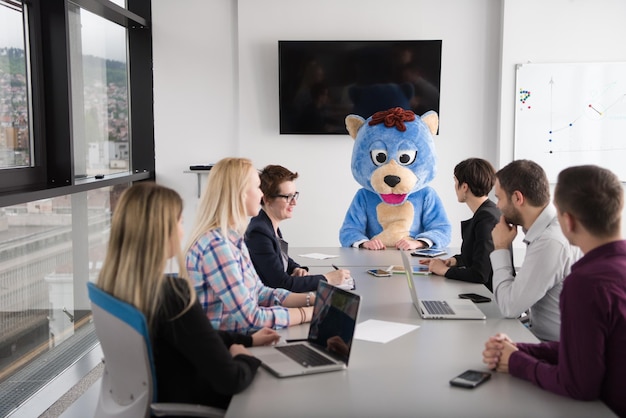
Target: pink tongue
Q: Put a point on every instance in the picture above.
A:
(393, 199)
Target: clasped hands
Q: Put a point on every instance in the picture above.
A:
(404, 244)
(498, 350)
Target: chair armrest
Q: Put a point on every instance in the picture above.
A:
(188, 410)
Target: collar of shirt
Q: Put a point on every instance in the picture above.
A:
(544, 220)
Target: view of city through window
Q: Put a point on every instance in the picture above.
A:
(100, 105)
(15, 140)
(50, 248)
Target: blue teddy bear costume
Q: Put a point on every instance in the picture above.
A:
(394, 160)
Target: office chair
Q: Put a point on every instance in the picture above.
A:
(129, 384)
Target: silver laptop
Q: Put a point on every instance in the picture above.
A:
(439, 309)
(328, 345)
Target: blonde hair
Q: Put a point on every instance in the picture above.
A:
(223, 204)
(144, 230)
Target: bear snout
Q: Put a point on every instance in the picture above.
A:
(392, 181)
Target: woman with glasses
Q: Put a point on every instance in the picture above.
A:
(228, 286)
(265, 242)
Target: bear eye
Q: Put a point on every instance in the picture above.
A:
(379, 156)
(407, 157)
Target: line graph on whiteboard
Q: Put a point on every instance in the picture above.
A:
(571, 114)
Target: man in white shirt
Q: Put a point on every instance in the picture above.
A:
(523, 194)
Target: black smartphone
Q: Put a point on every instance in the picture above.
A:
(475, 297)
(470, 379)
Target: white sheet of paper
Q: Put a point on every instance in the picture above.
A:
(318, 256)
(381, 331)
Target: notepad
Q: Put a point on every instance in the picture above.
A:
(318, 256)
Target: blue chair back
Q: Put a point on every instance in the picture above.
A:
(128, 383)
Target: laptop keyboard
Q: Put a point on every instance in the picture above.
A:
(437, 307)
(304, 355)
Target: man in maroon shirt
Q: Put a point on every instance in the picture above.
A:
(589, 361)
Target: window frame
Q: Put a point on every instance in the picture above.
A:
(52, 173)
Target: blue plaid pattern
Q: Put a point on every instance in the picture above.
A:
(229, 288)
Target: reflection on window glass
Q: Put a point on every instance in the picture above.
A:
(49, 249)
(15, 140)
(99, 94)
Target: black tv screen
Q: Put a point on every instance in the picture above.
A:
(321, 82)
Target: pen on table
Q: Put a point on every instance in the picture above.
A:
(335, 267)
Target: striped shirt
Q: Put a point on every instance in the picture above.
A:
(229, 288)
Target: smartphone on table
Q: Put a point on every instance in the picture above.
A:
(428, 252)
(470, 379)
(475, 297)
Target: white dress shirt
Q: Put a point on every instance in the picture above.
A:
(538, 283)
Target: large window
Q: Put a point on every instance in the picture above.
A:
(15, 111)
(76, 129)
(99, 80)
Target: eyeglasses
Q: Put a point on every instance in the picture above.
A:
(289, 198)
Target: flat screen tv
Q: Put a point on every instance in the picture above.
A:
(321, 82)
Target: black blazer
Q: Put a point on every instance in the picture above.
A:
(473, 264)
(264, 248)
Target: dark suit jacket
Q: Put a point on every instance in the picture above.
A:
(264, 248)
(473, 264)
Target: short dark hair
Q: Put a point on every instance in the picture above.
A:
(593, 195)
(528, 178)
(478, 174)
(272, 176)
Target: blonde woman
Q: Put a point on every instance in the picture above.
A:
(218, 261)
(194, 362)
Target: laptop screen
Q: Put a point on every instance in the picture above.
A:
(334, 320)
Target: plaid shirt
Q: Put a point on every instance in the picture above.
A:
(229, 288)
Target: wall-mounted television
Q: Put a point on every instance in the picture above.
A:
(321, 82)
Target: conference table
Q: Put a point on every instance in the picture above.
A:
(407, 376)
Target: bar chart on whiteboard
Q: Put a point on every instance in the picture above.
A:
(571, 114)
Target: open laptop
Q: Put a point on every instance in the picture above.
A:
(328, 345)
(439, 309)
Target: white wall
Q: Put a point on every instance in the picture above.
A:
(194, 43)
(216, 84)
(555, 31)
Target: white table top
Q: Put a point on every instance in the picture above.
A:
(348, 257)
(408, 376)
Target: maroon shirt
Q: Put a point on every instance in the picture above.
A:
(590, 360)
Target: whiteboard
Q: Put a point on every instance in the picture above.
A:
(571, 114)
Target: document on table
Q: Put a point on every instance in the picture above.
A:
(381, 331)
(318, 256)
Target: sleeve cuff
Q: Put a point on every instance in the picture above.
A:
(426, 241)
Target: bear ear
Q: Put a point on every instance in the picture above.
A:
(431, 119)
(353, 123)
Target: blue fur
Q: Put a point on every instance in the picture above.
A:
(430, 219)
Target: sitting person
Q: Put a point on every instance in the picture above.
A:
(588, 362)
(523, 194)
(473, 179)
(265, 242)
(194, 363)
(229, 288)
